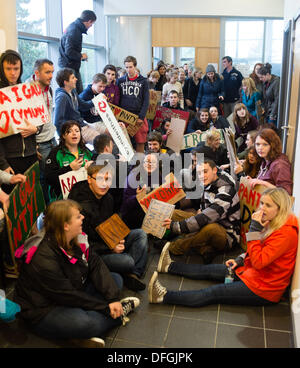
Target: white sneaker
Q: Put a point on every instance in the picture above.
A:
(93, 342)
(156, 291)
(164, 259)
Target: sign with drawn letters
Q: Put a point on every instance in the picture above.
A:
(70, 178)
(19, 103)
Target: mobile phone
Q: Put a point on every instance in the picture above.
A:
(80, 156)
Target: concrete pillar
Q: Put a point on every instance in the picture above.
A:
(8, 25)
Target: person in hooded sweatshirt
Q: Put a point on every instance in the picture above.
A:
(17, 151)
(134, 97)
(70, 55)
(69, 106)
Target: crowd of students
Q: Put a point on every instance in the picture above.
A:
(70, 280)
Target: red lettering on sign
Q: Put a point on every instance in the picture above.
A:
(4, 127)
(15, 91)
(4, 98)
(102, 106)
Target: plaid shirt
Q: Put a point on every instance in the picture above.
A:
(219, 204)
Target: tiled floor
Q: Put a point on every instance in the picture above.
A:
(166, 326)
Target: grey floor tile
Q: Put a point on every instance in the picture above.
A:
(145, 328)
(207, 313)
(278, 317)
(229, 336)
(277, 339)
(186, 333)
(241, 315)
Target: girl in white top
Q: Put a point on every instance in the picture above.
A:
(173, 84)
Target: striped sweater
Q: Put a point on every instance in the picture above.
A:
(219, 204)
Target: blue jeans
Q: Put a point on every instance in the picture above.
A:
(234, 293)
(134, 257)
(76, 323)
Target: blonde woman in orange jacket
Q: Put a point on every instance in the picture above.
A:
(257, 277)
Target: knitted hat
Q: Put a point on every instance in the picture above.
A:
(210, 69)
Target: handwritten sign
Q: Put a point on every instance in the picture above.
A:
(249, 202)
(113, 126)
(231, 148)
(193, 139)
(113, 230)
(123, 115)
(175, 138)
(70, 178)
(163, 113)
(20, 102)
(157, 212)
(170, 192)
(153, 102)
(26, 203)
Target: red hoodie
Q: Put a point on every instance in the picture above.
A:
(269, 264)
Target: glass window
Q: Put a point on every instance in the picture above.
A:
(187, 55)
(30, 51)
(88, 67)
(71, 10)
(31, 16)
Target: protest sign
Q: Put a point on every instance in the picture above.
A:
(113, 126)
(153, 102)
(170, 192)
(249, 203)
(174, 140)
(163, 113)
(113, 230)
(26, 203)
(231, 148)
(123, 115)
(70, 178)
(20, 102)
(157, 212)
(193, 139)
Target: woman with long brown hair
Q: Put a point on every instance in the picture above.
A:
(275, 170)
(64, 289)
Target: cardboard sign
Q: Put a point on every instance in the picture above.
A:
(193, 139)
(70, 178)
(26, 203)
(163, 113)
(231, 148)
(153, 102)
(113, 230)
(157, 212)
(174, 140)
(20, 102)
(113, 126)
(170, 192)
(249, 202)
(123, 115)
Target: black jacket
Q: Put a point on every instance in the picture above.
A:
(71, 46)
(15, 145)
(95, 211)
(49, 279)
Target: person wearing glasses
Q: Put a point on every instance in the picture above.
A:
(129, 257)
(70, 154)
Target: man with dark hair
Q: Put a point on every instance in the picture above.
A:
(154, 141)
(43, 74)
(173, 102)
(216, 225)
(97, 86)
(134, 97)
(69, 106)
(17, 151)
(71, 44)
(129, 257)
(232, 84)
(112, 91)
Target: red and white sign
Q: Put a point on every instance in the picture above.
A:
(20, 102)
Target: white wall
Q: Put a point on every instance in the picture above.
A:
(253, 8)
(8, 25)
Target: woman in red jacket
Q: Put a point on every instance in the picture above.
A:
(258, 277)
